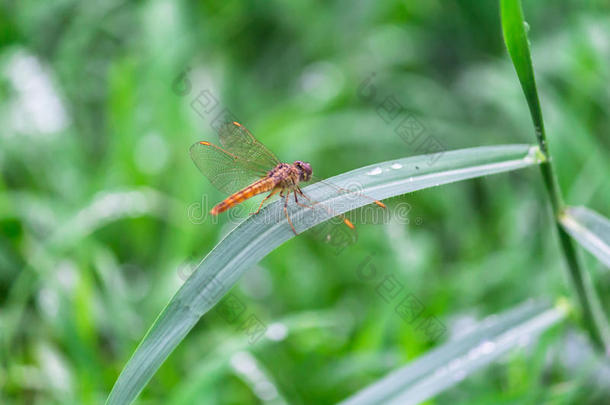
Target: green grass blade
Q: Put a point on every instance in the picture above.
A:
(590, 229)
(445, 366)
(254, 238)
(515, 37)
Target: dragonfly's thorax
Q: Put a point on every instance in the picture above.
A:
(286, 175)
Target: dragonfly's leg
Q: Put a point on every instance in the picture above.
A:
(298, 190)
(271, 194)
(343, 218)
(286, 212)
(296, 200)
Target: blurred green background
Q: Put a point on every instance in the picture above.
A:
(102, 212)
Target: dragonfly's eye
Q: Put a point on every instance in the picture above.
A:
(305, 168)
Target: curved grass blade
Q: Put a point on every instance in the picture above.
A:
(590, 229)
(447, 365)
(515, 37)
(258, 235)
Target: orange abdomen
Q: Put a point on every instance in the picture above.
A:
(261, 186)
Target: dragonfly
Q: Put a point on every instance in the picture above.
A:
(243, 168)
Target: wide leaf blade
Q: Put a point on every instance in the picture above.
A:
(445, 366)
(590, 229)
(254, 238)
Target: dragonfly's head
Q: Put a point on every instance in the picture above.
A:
(304, 170)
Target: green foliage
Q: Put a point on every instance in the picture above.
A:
(443, 367)
(102, 213)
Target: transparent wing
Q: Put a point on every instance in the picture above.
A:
(338, 228)
(354, 192)
(227, 172)
(335, 231)
(236, 139)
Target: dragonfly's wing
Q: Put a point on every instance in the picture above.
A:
(339, 230)
(226, 171)
(335, 229)
(236, 139)
(335, 232)
(353, 192)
